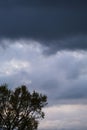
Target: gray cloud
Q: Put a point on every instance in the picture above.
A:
(30, 28)
(57, 24)
(70, 43)
(63, 76)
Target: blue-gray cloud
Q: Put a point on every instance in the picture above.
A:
(61, 76)
(57, 24)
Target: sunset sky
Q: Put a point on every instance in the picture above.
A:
(43, 45)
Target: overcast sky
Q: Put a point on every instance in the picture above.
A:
(43, 44)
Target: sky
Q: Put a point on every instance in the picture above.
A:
(43, 45)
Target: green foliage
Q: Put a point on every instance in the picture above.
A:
(20, 109)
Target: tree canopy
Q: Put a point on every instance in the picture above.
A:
(20, 109)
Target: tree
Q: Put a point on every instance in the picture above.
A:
(20, 109)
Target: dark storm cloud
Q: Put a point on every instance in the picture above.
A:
(45, 20)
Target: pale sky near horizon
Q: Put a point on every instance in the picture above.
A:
(43, 44)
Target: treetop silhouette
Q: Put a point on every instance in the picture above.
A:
(20, 109)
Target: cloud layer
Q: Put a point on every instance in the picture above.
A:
(57, 24)
(43, 45)
(61, 76)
